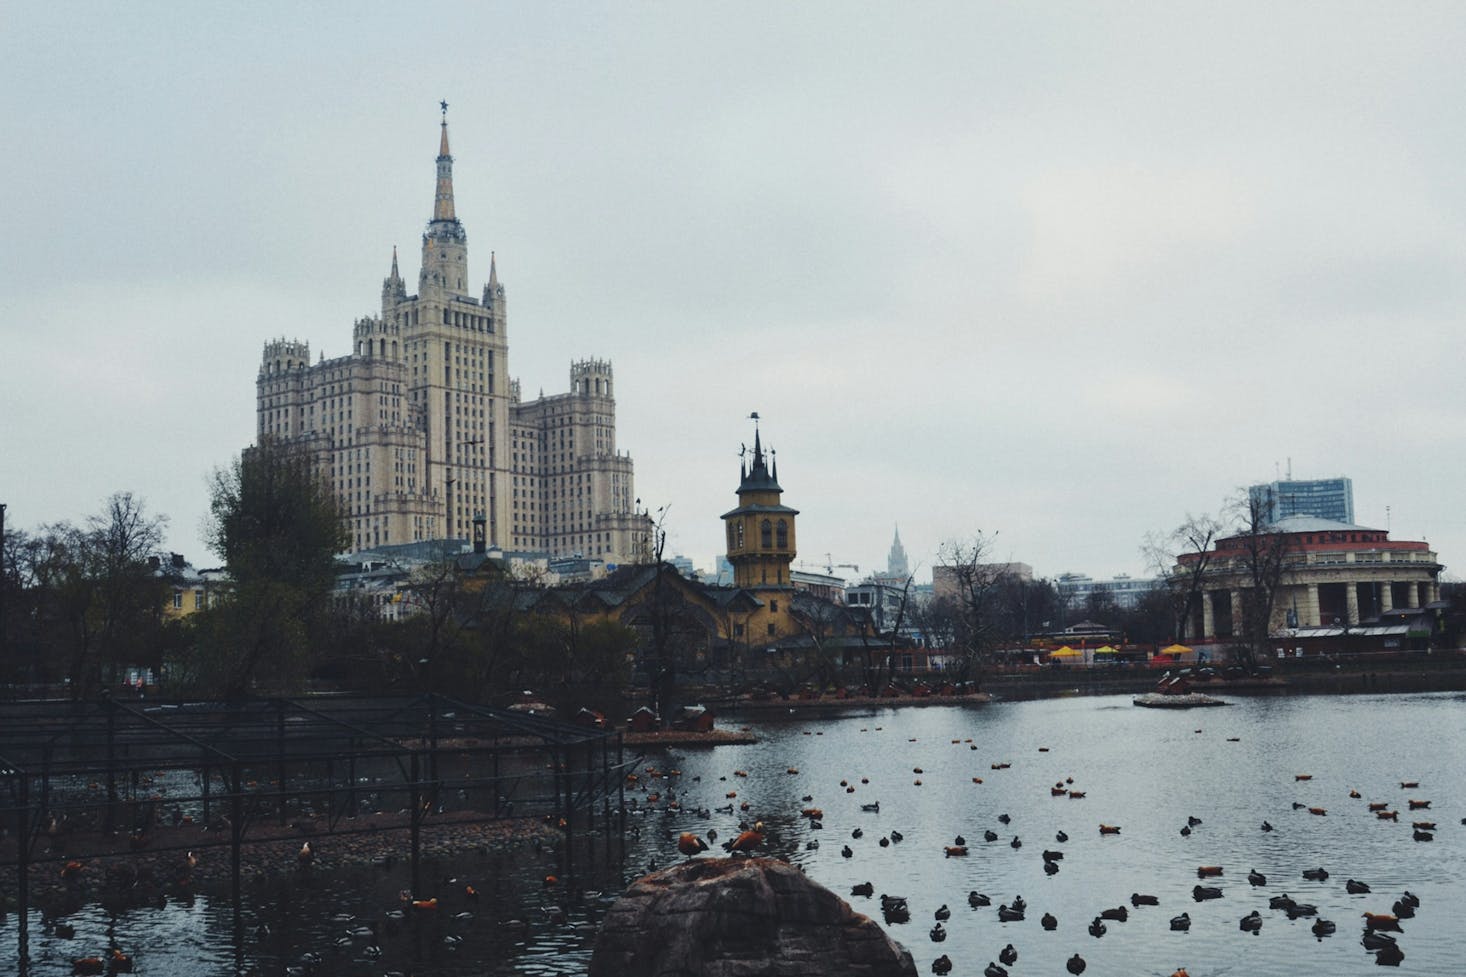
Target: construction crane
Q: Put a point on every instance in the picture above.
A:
(831, 566)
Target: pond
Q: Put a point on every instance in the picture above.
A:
(935, 773)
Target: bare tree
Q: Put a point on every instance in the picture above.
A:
(874, 681)
(664, 681)
(1260, 556)
(822, 621)
(123, 538)
(96, 596)
(973, 583)
(1182, 559)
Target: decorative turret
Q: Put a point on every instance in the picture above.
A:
(591, 378)
(761, 544)
(445, 245)
(494, 299)
(283, 356)
(394, 289)
(376, 338)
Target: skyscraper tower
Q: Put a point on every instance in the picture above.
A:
(896, 565)
(420, 428)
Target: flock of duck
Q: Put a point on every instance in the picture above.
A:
(1380, 931)
(758, 817)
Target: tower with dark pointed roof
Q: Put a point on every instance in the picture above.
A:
(761, 543)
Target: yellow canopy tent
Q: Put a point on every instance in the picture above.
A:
(1066, 652)
(1176, 650)
(1105, 650)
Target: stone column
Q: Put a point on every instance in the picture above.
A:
(1311, 617)
(1434, 588)
(1351, 602)
(1236, 613)
(1412, 595)
(1386, 596)
(1208, 618)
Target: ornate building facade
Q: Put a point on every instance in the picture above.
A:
(1334, 574)
(422, 431)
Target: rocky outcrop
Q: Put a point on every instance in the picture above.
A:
(746, 917)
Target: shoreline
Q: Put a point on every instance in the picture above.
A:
(127, 877)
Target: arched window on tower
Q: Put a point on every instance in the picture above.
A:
(766, 534)
(731, 547)
(783, 535)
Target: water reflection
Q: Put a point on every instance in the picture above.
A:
(1146, 771)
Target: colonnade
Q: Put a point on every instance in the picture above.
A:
(1303, 599)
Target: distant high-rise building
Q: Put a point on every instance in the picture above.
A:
(421, 430)
(1326, 498)
(1075, 590)
(896, 565)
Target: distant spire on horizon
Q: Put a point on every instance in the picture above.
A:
(896, 563)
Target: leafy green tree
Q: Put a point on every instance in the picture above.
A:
(277, 525)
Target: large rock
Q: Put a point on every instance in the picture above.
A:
(746, 917)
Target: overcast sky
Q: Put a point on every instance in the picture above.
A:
(1059, 272)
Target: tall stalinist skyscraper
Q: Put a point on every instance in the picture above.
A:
(421, 429)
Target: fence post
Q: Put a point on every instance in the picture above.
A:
(416, 827)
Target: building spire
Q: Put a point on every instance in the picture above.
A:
(443, 201)
(445, 245)
(756, 476)
(896, 563)
(493, 272)
(395, 275)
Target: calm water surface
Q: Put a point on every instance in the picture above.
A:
(1144, 770)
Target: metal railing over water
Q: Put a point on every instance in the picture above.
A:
(121, 779)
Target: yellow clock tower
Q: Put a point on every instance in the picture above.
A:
(761, 530)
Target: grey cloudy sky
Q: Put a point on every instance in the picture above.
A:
(1064, 272)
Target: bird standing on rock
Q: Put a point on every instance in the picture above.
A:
(747, 841)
